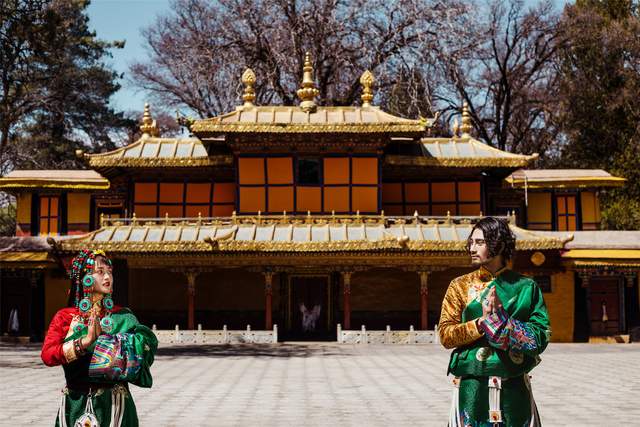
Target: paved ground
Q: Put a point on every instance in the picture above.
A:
(329, 385)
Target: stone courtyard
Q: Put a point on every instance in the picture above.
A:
(326, 384)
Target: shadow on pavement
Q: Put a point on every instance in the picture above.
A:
(252, 350)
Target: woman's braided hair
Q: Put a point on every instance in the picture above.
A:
(498, 236)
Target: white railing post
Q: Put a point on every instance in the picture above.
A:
(436, 335)
(363, 336)
(387, 335)
(225, 335)
(177, 332)
(339, 334)
(412, 334)
(275, 333)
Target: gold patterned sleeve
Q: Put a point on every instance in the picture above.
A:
(452, 332)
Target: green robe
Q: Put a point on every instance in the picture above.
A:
(124, 356)
(509, 347)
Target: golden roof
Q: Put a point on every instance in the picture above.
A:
(282, 119)
(151, 151)
(463, 151)
(563, 178)
(284, 233)
(54, 179)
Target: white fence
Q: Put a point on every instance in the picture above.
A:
(224, 336)
(388, 336)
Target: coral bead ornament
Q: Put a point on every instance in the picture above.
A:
(84, 305)
(88, 281)
(107, 303)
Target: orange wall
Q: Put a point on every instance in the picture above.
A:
(268, 185)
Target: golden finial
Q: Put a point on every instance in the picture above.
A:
(101, 219)
(367, 80)
(466, 127)
(134, 220)
(456, 128)
(249, 79)
(308, 90)
(148, 126)
(234, 219)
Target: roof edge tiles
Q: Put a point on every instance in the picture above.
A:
(149, 151)
(238, 234)
(563, 178)
(462, 151)
(284, 119)
(54, 179)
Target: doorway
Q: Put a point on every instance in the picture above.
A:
(309, 308)
(606, 306)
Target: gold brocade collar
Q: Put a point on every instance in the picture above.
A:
(487, 276)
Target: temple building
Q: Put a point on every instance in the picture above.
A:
(267, 213)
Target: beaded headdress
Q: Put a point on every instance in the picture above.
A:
(81, 275)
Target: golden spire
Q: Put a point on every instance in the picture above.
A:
(248, 79)
(465, 126)
(308, 90)
(148, 126)
(367, 80)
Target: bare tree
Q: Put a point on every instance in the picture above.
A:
(503, 67)
(199, 51)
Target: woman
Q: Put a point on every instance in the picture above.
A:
(101, 348)
(497, 323)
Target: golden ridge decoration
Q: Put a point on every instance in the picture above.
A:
(249, 80)
(175, 162)
(18, 183)
(514, 162)
(216, 127)
(308, 90)
(465, 125)
(367, 80)
(148, 126)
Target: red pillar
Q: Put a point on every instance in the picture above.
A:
(191, 293)
(346, 292)
(268, 293)
(424, 299)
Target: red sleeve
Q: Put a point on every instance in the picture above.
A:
(52, 354)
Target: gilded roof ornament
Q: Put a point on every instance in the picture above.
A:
(456, 128)
(367, 80)
(308, 90)
(148, 126)
(465, 126)
(249, 80)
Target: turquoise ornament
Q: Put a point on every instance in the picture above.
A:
(107, 303)
(84, 305)
(88, 281)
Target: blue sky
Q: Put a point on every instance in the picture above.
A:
(123, 20)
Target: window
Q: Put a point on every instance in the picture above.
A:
(49, 215)
(308, 171)
(432, 198)
(178, 199)
(566, 217)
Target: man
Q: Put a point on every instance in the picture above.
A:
(497, 323)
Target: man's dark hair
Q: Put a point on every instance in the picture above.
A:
(498, 236)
